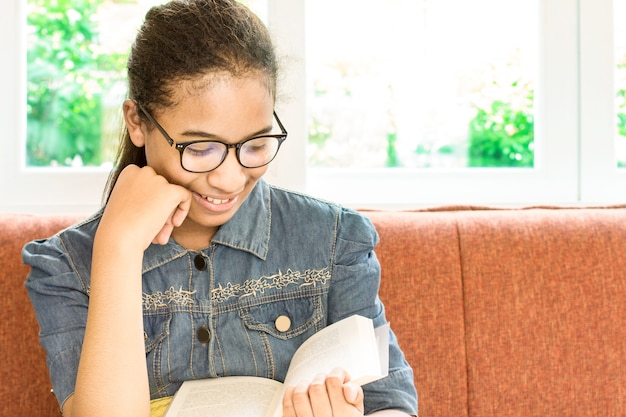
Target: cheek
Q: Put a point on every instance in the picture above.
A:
(152, 150)
(164, 159)
(151, 156)
(167, 164)
(253, 175)
(257, 173)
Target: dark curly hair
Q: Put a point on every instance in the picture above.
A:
(183, 40)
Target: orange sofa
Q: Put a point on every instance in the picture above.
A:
(501, 312)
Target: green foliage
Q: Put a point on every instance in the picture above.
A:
(393, 160)
(621, 102)
(501, 135)
(319, 132)
(66, 77)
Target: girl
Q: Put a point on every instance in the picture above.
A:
(196, 267)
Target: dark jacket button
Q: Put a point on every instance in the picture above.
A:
(199, 262)
(204, 335)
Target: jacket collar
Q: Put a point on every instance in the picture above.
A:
(249, 228)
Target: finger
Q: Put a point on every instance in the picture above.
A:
(179, 215)
(288, 408)
(341, 374)
(353, 394)
(320, 402)
(181, 211)
(164, 234)
(176, 219)
(301, 402)
(343, 394)
(334, 387)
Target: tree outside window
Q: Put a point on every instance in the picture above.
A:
(69, 80)
(76, 64)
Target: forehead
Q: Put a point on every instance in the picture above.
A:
(216, 83)
(219, 107)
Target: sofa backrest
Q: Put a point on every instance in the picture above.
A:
(509, 312)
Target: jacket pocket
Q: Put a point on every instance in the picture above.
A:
(156, 329)
(286, 319)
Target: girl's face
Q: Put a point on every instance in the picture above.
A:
(226, 109)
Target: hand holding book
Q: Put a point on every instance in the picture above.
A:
(331, 394)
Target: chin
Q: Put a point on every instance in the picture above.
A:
(210, 220)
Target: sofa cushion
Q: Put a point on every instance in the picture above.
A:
(422, 290)
(545, 309)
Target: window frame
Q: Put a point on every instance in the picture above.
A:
(37, 190)
(601, 182)
(574, 116)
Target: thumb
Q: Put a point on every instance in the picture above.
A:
(352, 393)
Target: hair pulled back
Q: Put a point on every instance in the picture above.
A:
(184, 40)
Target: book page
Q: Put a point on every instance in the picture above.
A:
(350, 344)
(382, 340)
(224, 397)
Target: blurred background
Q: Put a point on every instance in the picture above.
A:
(388, 103)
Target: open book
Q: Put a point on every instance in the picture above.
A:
(352, 344)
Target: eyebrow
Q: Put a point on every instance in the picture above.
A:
(211, 136)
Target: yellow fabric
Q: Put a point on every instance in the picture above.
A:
(158, 406)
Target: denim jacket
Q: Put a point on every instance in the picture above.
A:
(220, 311)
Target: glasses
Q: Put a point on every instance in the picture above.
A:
(206, 155)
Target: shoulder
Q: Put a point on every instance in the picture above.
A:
(67, 250)
(294, 202)
(348, 223)
(81, 235)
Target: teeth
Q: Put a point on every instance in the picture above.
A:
(214, 200)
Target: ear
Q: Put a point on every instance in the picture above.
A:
(134, 124)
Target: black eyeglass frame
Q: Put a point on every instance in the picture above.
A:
(181, 146)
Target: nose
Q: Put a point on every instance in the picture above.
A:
(229, 176)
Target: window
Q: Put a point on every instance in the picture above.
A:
(564, 61)
(421, 83)
(546, 54)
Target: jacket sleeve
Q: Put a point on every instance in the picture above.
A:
(354, 290)
(60, 299)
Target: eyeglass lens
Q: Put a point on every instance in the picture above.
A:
(206, 156)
